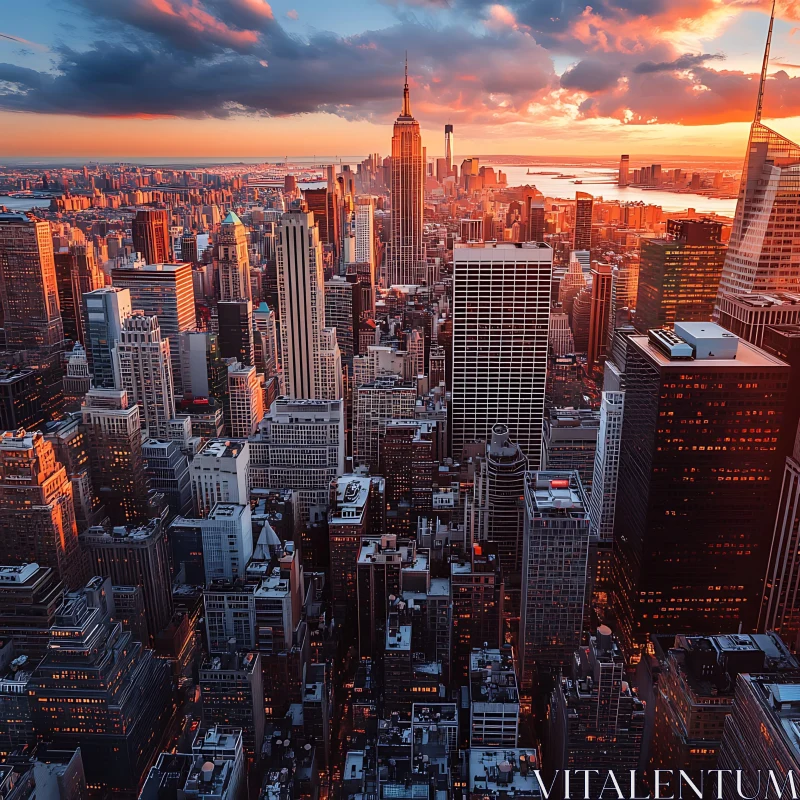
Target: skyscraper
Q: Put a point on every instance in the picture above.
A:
(679, 274)
(29, 296)
(448, 147)
(302, 305)
(407, 249)
(554, 570)
(596, 722)
(246, 400)
(235, 330)
(598, 315)
(691, 496)
(164, 291)
(99, 690)
(624, 168)
(582, 233)
(77, 273)
(104, 310)
(151, 235)
(145, 372)
(233, 260)
(37, 516)
(496, 512)
(365, 232)
(135, 556)
(114, 440)
(501, 310)
(761, 256)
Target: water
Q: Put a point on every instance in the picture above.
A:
(601, 182)
(24, 203)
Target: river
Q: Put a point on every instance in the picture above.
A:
(601, 182)
(24, 203)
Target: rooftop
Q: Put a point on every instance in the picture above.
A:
(222, 448)
(492, 772)
(492, 677)
(555, 493)
(352, 494)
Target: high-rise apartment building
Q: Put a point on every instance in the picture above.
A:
(29, 299)
(596, 721)
(151, 235)
(233, 260)
(135, 556)
(374, 404)
(30, 596)
(300, 445)
(694, 694)
(691, 496)
(501, 308)
(749, 315)
(762, 253)
(582, 232)
(266, 343)
(114, 441)
(301, 286)
(245, 400)
(477, 595)
(554, 573)
(164, 291)
(407, 248)
(37, 515)
(104, 311)
(679, 274)
(144, 371)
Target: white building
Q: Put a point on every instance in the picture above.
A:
(365, 231)
(227, 538)
(306, 354)
(246, 400)
(501, 314)
(104, 311)
(380, 361)
(220, 474)
(144, 371)
(603, 498)
(300, 445)
(233, 261)
(493, 699)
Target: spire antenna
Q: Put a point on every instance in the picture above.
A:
(764, 66)
(406, 98)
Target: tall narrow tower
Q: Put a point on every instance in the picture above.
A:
(233, 260)
(762, 254)
(407, 252)
(448, 147)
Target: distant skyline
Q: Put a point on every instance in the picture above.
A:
(206, 78)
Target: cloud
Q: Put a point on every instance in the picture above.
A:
(292, 14)
(20, 40)
(591, 76)
(152, 76)
(686, 61)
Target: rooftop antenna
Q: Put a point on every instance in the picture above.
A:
(763, 80)
(406, 98)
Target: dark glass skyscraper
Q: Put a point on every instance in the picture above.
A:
(697, 469)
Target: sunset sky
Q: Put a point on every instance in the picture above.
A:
(304, 77)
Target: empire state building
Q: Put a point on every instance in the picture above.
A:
(407, 252)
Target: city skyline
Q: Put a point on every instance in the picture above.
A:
(183, 78)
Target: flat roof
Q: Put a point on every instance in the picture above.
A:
(748, 356)
(223, 448)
